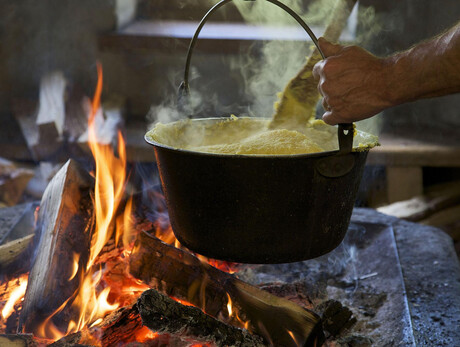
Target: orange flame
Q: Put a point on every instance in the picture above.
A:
(232, 313)
(91, 300)
(98, 295)
(15, 296)
(110, 178)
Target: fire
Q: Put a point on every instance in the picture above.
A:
(94, 299)
(110, 178)
(232, 313)
(104, 280)
(144, 334)
(16, 295)
(229, 306)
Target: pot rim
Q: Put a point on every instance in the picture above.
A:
(241, 156)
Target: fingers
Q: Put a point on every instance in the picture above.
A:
(329, 48)
(329, 117)
(317, 69)
(325, 105)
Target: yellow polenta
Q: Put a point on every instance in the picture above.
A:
(251, 136)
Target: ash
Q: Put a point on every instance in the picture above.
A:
(360, 291)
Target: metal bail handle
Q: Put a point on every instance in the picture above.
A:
(345, 145)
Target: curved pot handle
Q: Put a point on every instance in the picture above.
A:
(344, 132)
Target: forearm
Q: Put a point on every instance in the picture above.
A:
(429, 69)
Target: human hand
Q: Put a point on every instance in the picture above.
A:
(353, 83)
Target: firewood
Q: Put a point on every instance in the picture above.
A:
(25, 112)
(13, 181)
(182, 275)
(17, 221)
(107, 125)
(15, 255)
(436, 199)
(76, 120)
(164, 315)
(116, 328)
(51, 111)
(64, 220)
(18, 340)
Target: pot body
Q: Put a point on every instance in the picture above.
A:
(257, 209)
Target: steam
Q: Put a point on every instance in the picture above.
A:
(267, 74)
(262, 71)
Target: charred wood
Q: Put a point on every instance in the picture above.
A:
(182, 275)
(64, 223)
(116, 328)
(164, 315)
(336, 317)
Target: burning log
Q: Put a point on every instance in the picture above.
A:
(63, 235)
(118, 327)
(170, 321)
(164, 315)
(182, 275)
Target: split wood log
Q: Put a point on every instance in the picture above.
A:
(164, 315)
(17, 221)
(19, 340)
(25, 112)
(77, 113)
(13, 182)
(182, 275)
(51, 111)
(435, 200)
(15, 256)
(64, 221)
(297, 103)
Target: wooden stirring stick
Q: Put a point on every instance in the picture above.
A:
(298, 101)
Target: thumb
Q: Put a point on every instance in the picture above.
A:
(329, 48)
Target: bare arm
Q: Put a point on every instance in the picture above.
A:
(357, 85)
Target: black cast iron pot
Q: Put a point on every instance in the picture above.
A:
(260, 209)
